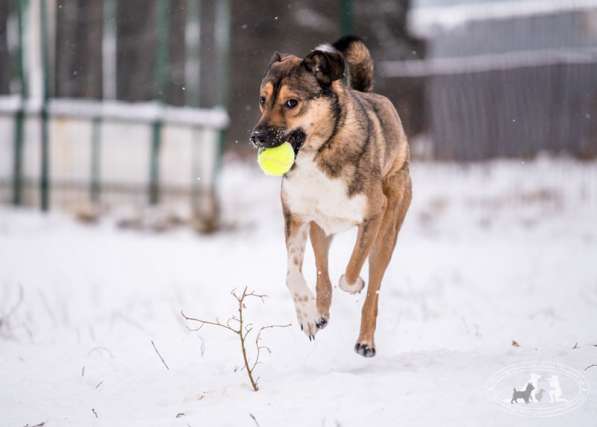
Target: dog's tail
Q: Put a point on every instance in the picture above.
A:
(360, 64)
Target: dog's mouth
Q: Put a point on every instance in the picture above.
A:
(296, 138)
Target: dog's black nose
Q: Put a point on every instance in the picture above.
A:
(259, 137)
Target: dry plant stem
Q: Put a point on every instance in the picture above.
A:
(242, 331)
(160, 355)
(242, 337)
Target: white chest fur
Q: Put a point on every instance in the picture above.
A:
(312, 195)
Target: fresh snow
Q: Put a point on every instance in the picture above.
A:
(489, 253)
(139, 112)
(427, 20)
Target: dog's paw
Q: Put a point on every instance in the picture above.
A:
(309, 318)
(351, 288)
(364, 349)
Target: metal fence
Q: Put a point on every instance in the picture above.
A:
(107, 145)
(511, 80)
(509, 106)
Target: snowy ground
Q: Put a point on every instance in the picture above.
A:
(488, 254)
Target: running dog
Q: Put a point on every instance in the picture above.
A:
(351, 170)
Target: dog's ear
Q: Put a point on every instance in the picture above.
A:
(276, 57)
(326, 66)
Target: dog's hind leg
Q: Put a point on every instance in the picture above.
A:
(398, 192)
(321, 245)
(308, 316)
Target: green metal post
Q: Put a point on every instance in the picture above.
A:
(222, 29)
(45, 137)
(193, 53)
(95, 185)
(346, 14)
(17, 190)
(161, 79)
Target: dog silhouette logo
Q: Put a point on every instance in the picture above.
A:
(524, 395)
(555, 390)
(538, 389)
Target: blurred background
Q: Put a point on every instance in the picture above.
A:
(108, 102)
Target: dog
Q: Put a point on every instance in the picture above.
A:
(351, 170)
(555, 390)
(534, 380)
(524, 395)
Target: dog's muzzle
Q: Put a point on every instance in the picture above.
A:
(269, 138)
(266, 137)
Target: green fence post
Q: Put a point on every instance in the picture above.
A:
(193, 53)
(222, 40)
(17, 189)
(95, 184)
(160, 79)
(45, 137)
(346, 13)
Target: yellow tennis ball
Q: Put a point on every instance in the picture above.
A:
(276, 161)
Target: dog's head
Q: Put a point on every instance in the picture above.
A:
(530, 387)
(297, 100)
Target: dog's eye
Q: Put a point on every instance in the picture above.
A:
(261, 100)
(291, 103)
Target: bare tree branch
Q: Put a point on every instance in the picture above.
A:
(159, 355)
(254, 419)
(5, 319)
(260, 347)
(207, 322)
(243, 331)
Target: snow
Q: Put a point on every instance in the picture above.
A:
(489, 253)
(428, 20)
(486, 62)
(141, 112)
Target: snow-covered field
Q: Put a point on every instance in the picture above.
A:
(488, 254)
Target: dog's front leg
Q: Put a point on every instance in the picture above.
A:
(351, 280)
(309, 318)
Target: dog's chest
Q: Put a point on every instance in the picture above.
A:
(312, 195)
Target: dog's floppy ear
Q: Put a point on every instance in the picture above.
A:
(326, 66)
(276, 57)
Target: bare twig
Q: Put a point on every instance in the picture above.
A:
(258, 344)
(100, 349)
(5, 318)
(254, 419)
(243, 330)
(94, 412)
(159, 355)
(590, 366)
(207, 322)
(16, 305)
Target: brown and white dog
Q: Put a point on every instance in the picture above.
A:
(351, 169)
